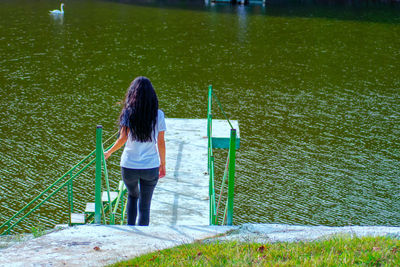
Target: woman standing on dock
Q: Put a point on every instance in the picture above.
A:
(142, 127)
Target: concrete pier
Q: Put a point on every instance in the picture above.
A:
(181, 198)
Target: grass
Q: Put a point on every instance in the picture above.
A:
(335, 251)
(38, 231)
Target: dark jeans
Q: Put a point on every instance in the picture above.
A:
(140, 184)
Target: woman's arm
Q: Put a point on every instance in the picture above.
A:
(161, 150)
(123, 136)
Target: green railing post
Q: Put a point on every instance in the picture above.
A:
(210, 187)
(209, 146)
(124, 211)
(70, 199)
(122, 208)
(212, 193)
(209, 125)
(103, 160)
(231, 181)
(99, 151)
(71, 193)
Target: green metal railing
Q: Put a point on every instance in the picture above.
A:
(66, 180)
(229, 171)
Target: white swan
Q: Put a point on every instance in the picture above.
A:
(58, 12)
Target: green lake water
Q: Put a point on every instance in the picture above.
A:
(315, 88)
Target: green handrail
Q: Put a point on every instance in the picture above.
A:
(229, 170)
(209, 126)
(71, 194)
(222, 110)
(124, 212)
(97, 202)
(46, 190)
(101, 161)
(121, 192)
(231, 180)
(213, 210)
(100, 209)
(222, 185)
(107, 184)
(47, 198)
(9, 224)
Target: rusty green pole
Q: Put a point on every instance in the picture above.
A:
(231, 181)
(99, 150)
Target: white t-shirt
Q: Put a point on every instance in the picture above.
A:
(143, 155)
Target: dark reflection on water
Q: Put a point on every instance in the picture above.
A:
(376, 11)
(386, 11)
(317, 99)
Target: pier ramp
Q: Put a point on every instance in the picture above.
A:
(182, 197)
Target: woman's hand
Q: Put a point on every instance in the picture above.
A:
(161, 151)
(162, 171)
(107, 154)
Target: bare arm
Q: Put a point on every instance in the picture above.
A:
(123, 136)
(161, 150)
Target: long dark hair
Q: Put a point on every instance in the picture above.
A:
(140, 110)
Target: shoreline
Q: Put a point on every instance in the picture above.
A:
(100, 245)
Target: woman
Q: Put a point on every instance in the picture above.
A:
(142, 127)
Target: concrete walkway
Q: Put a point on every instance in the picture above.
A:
(95, 245)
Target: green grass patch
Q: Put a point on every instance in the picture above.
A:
(335, 251)
(38, 231)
